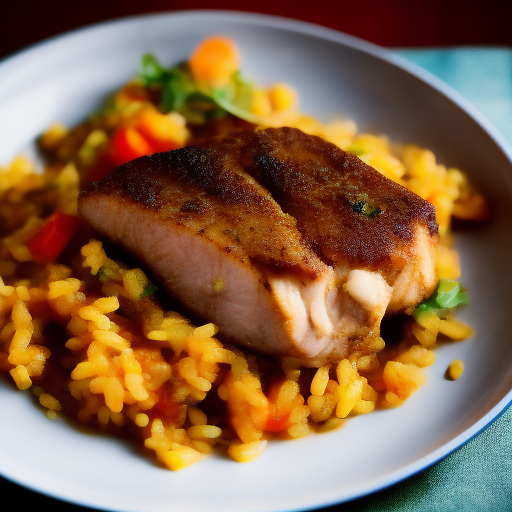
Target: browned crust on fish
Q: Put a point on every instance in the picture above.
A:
(210, 194)
(321, 186)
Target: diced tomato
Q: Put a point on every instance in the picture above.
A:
(53, 237)
(168, 407)
(127, 144)
(277, 422)
(152, 132)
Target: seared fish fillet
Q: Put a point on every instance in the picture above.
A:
(289, 244)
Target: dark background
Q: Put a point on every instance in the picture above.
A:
(384, 22)
(390, 23)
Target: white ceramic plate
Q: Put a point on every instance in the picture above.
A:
(336, 75)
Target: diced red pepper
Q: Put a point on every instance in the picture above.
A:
(277, 422)
(127, 144)
(151, 133)
(168, 407)
(53, 237)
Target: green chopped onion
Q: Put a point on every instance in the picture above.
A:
(148, 290)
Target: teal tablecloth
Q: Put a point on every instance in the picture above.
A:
(478, 476)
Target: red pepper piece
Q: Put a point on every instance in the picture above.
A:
(277, 422)
(53, 237)
(127, 144)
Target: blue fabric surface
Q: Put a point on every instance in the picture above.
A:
(482, 75)
(478, 476)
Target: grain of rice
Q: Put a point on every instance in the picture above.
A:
(20, 315)
(86, 369)
(206, 331)
(348, 396)
(117, 418)
(134, 384)
(203, 446)
(106, 304)
(196, 416)
(50, 402)
(332, 423)
(246, 452)
(134, 282)
(180, 457)
(157, 335)
(64, 287)
(114, 394)
(142, 420)
(393, 399)
(455, 369)
(37, 390)
(111, 339)
(129, 362)
(76, 343)
(21, 339)
(23, 356)
(91, 313)
(299, 430)
(319, 382)
(455, 329)
(363, 407)
(5, 290)
(51, 414)
(345, 372)
(21, 377)
(426, 337)
(103, 415)
(204, 431)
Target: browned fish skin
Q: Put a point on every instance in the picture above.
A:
(310, 244)
(215, 198)
(319, 185)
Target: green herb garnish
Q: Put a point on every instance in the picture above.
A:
(366, 209)
(148, 290)
(180, 93)
(448, 295)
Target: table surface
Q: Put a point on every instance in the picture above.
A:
(467, 44)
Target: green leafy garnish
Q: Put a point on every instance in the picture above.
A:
(148, 290)
(236, 98)
(448, 295)
(198, 104)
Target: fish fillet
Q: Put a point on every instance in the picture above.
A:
(290, 245)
